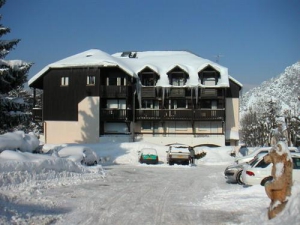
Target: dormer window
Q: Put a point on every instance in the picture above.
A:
(209, 81)
(209, 76)
(177, 77)
(148, 77)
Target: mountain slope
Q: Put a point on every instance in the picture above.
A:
(284, 90)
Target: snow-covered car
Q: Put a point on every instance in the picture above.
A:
(249, 157)
(80, 154)
(257, 170)
(178, 154)
(148, 156)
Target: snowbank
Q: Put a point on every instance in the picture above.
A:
(19, 140)
(27, 172)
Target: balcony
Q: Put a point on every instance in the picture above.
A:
(116, 115)
(180, 114)
(177, 92)
(208, 93)
(37, 114)
(148, 92)
(114, 91)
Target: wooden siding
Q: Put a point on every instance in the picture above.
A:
(61, 102)
(233, 91)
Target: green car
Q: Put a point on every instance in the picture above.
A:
(148, 156)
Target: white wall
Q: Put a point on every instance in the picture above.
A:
(85, 130)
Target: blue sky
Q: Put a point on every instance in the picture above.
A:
(257, 39)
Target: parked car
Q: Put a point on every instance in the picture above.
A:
(233, 172)
(249, 157)
(80, 154)
(148, 156)
(178, 154)
(257, 170)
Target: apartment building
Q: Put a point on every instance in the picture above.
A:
(162, 97)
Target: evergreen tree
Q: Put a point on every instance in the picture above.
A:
(13, 74)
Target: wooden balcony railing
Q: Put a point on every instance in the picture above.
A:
(180, 114)
(152, 114)
(148, 92)
(37, 114)
(115, 114)
(177, 92)
(115, 91)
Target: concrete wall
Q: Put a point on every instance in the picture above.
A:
(85, 130)
(232, 119)
(218, 140)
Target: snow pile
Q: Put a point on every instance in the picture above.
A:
(215, 156)
(19, 140)
(24, 172)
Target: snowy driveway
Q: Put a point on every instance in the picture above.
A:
(144, 195)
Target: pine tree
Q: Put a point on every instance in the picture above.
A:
(13, 75)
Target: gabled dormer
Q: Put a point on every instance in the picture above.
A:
(209, 76)
(148, 77)
(177, 76)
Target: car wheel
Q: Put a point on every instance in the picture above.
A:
(171, 163)
(239, 178)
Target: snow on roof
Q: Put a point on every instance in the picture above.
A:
(165, 61)
(160, 62)
(90, 58)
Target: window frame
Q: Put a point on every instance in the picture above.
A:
(91, 80)
(64, 81)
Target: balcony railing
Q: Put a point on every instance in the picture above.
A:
(114, 91)
(116, 114)
(148, 92)
(37, 114)
(152, 114)
(180, 114)
(177, 92)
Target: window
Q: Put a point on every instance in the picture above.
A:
(90, 80)
(64, 81)
(177, 77)
(148, 77)
(178, 81)
(181, 103)
(115, 81)
(210, 81)
(262, 164)
(147, 104)
(116, 104)
(146, 125)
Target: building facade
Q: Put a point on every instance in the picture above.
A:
(162, 97)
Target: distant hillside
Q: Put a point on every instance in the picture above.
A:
(283, 89)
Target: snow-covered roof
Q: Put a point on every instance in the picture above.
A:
(160, 62)
(90, 58)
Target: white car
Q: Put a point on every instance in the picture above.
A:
(179, 154)
(80, 154)
(257, 170)
(251, 156)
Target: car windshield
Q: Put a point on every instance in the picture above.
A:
(149, 151)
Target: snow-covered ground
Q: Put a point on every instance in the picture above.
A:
(25, 176)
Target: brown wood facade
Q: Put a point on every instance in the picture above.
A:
(64, 88)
